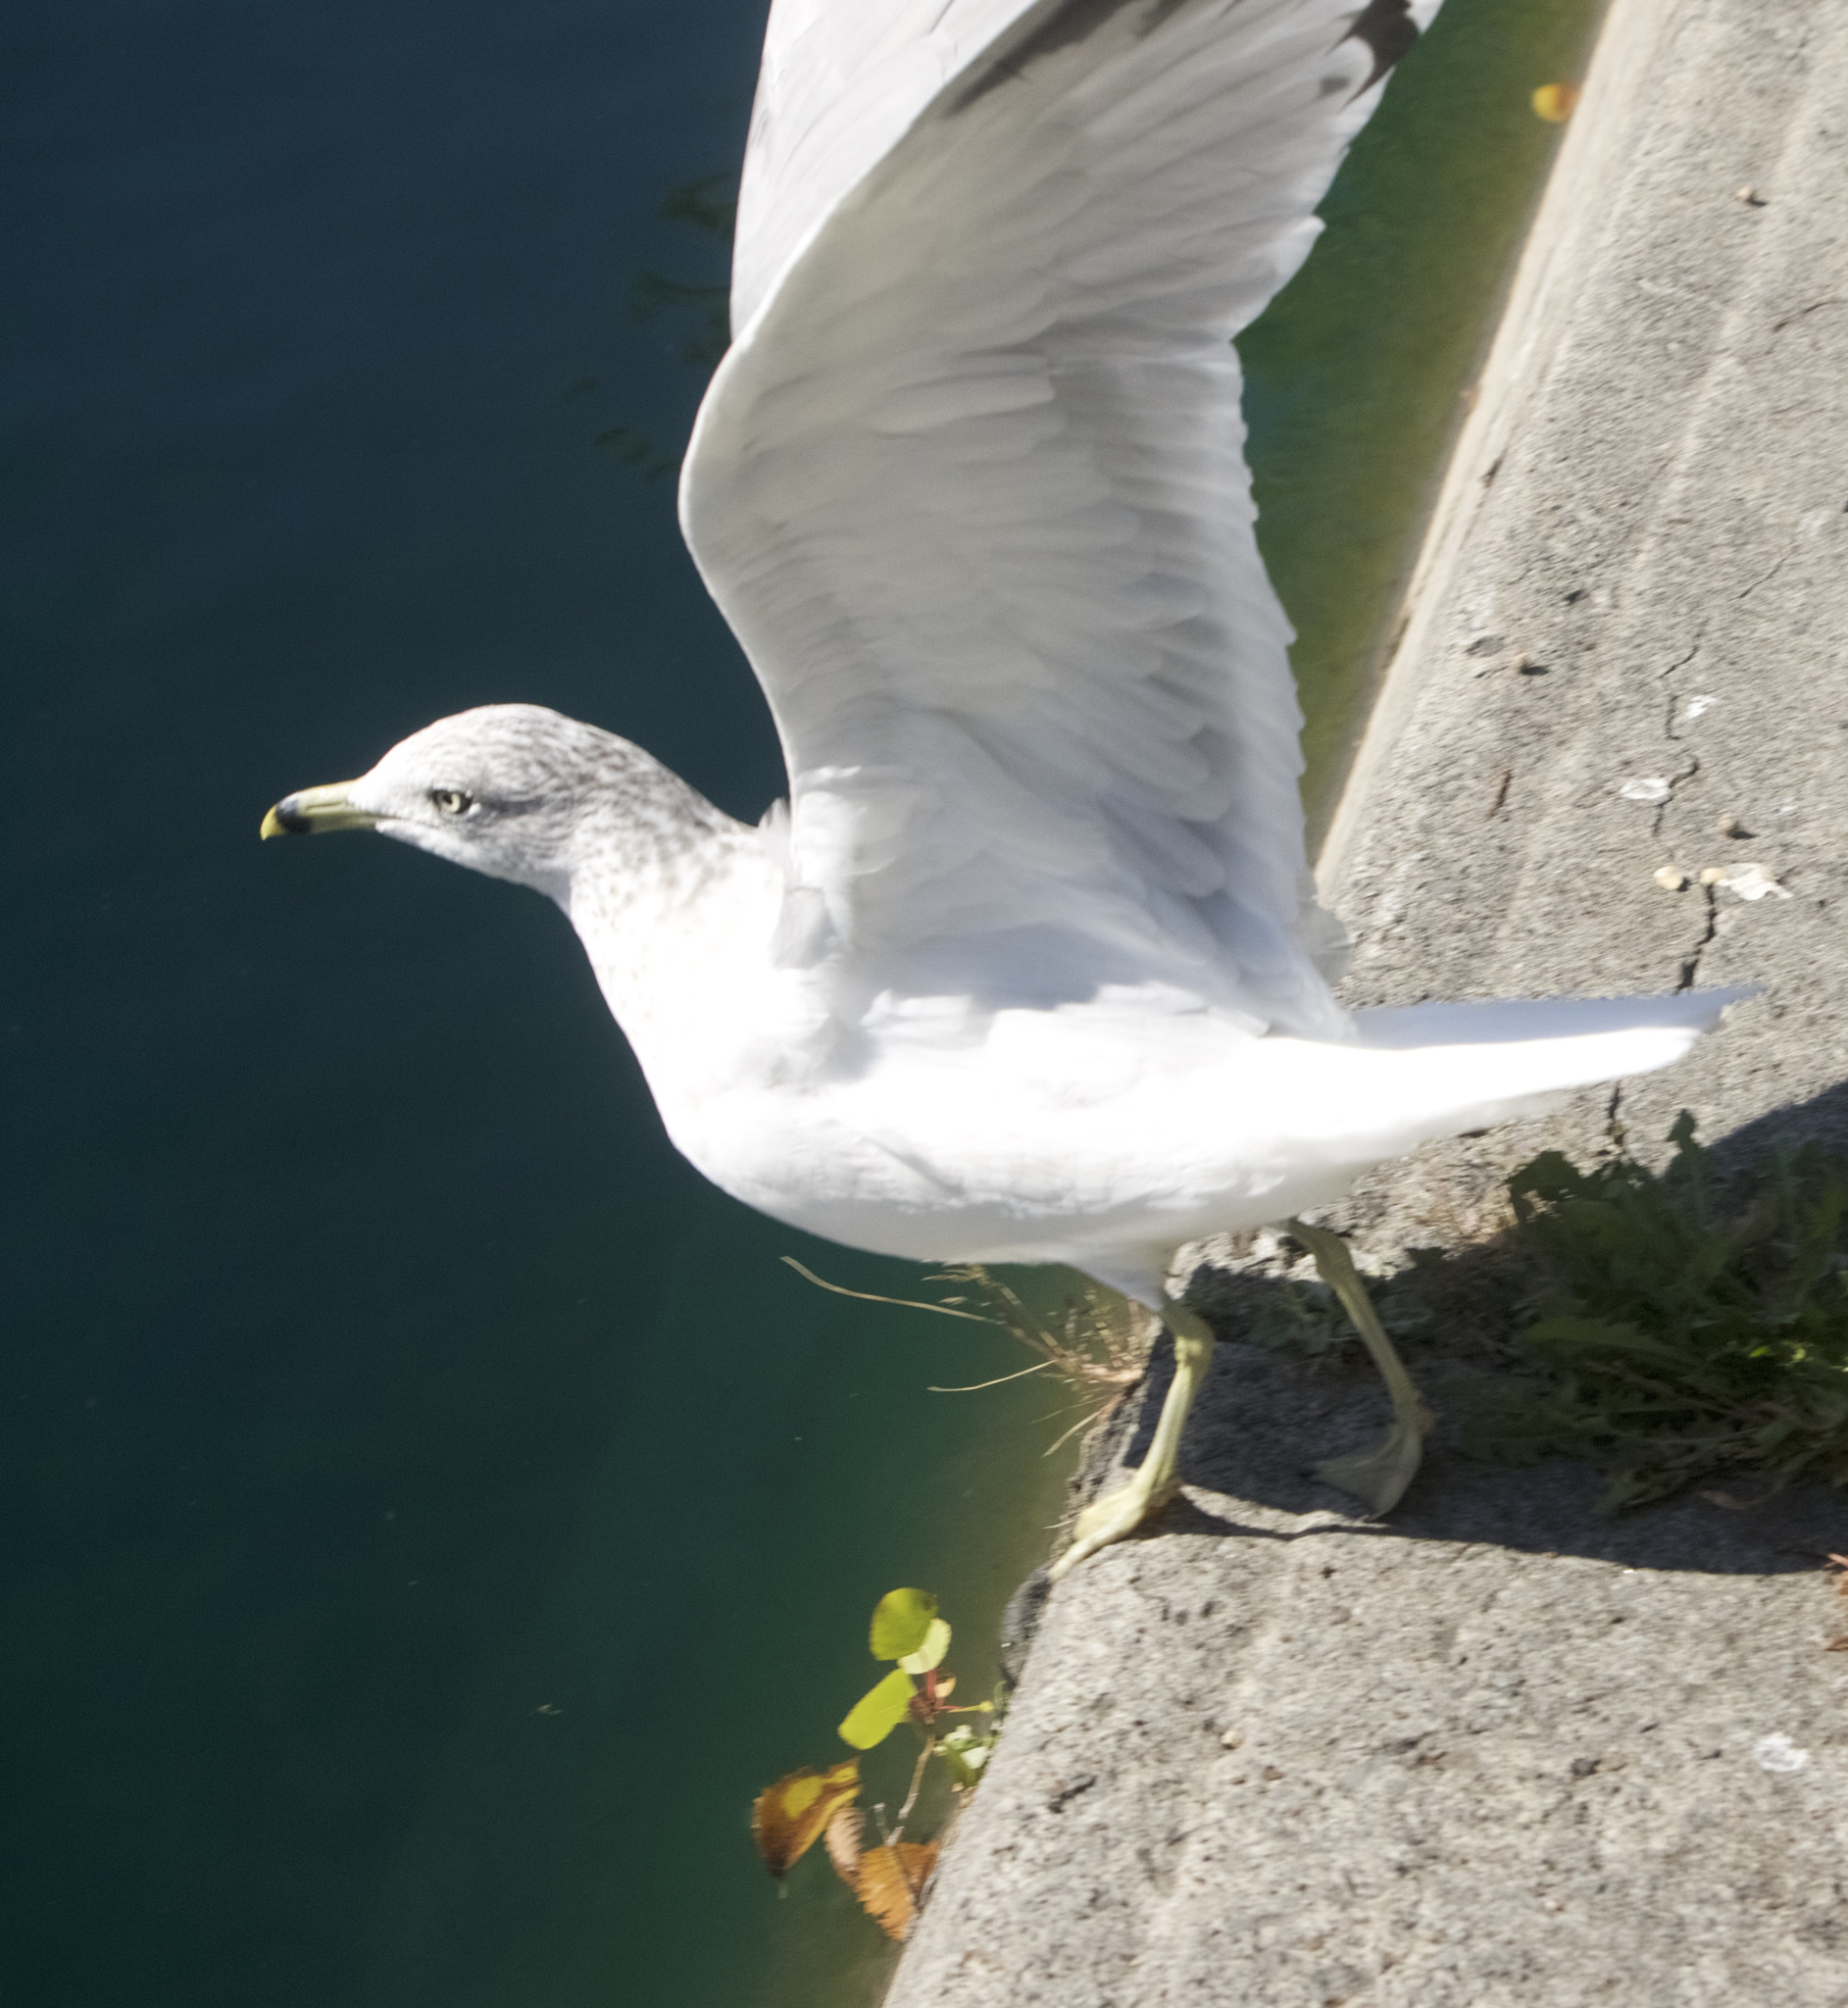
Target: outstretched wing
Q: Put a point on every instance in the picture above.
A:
(971, 485)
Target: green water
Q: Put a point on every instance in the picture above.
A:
(432, 1513)
(1355, 376)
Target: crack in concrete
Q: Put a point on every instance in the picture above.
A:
(1748, 591)
(1690, 967)
(1681, 660)
(1680, 663)
(1675, 782)
(1815, 307)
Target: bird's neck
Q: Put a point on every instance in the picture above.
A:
(675, 904)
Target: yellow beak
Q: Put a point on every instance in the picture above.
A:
(315, 810)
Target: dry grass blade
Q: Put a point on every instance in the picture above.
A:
(1097, 1341)
(840, 1290)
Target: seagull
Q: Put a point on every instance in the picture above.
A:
(1029, 967)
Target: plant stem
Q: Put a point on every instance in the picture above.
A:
(917, 1779)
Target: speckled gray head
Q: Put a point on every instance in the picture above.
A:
(514, 790)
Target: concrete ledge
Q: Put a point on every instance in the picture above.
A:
(1497, 1750)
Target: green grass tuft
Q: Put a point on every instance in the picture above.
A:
(1683, 1328)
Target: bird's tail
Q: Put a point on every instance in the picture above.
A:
(1466, 1065)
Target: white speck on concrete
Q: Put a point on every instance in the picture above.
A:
(1751, 881)
(1655, 789)
(1778, 1753)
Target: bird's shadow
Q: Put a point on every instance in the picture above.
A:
(1266, 1418)
(1823, 1119)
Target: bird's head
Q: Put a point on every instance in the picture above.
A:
(514, 790)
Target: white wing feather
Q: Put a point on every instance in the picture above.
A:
(971, 485)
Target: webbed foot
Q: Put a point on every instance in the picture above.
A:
(1380, 1475)
(1118, 1514)
(1113, 1518)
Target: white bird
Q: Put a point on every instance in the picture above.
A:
(1028, 968)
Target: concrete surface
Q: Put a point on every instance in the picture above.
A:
(1631, 623)
(1498, 1751)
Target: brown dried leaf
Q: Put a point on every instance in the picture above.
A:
(845, 1834)
(789, 1818)
(890, 1881)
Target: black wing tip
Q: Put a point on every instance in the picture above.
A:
(1053, 26)
(1385, 26)
(1388, 31)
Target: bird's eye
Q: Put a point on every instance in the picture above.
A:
(451, 801)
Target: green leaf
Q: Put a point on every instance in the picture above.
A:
(1567, 1338)
(936, 1642)
(901, 1621)
(879, 1712)
(1522, 1432)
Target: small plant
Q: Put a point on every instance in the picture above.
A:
(1308, 1318)
(822, 1803)
(1096, 1339)
(1684, 1330)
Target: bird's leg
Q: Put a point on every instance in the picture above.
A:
(1381, 1474)
(1152, 1486)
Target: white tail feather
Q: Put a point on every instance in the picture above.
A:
(1466, 1065)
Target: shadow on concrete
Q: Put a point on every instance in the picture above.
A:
(1269, 1414)
(1266, 1418)
(1822, 1119)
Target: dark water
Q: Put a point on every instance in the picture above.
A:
(430, 1511)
